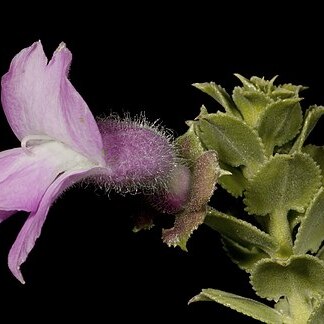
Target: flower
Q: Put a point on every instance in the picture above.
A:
(61, 144)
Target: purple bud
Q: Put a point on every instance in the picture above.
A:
(140, 155)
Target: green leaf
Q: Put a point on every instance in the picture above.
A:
(285, 182)
(244, 257)
(280, 123)
(281, 94)
(235, 183)
(302, 275)
(241, 304)
(294, 219)
(282, 306)
(311, 231)
(312, 116)
(317, 315)
(286, 91)
(189, 145)
(317, 153)
(320, 253)
(265, 86)
(220, 95)
(257, 94)
(205, 172)
(247, 84)
(282, 91)
(299, 279)
(240, 231)
(295, 89)
(251, 104)
(235, 142)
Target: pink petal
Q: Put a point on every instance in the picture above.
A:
(24, 178)
(33, 225)
(4, 214)
(38, 99)
(27, 173)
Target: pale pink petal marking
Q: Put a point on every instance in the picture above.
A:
(27, 173)
(38, 99)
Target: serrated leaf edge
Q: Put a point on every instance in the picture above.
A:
(205, 293)
(284, 263)
(250, 183)
(259, 140)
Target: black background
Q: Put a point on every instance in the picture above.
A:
(88, 264)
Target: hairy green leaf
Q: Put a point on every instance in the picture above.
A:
(312, 116)
(236, 143)
(267, 87)
(205, 173)
(240, 231)
(244, 257)
(234, 183)
(293, 89)
(220, 95)
(251, 104)
(189, 145)
(302, 274)
(247, 84)
(280, 123)
(241, 304)
(257, 94)
(311, 231)
(285, 182)
(282, 306)
(317, 314)
(317, 153)
(320, 253)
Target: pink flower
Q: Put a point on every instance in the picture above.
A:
(61, 144)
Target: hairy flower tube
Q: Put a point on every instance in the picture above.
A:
(61, 144)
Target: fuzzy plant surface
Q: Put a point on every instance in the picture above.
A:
(255, 148)
(260, 140)
(63, 144)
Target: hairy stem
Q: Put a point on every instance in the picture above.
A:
(299, 308)
(279, 228)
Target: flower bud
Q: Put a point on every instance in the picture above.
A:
(140, 155)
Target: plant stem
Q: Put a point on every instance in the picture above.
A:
(299, 308)
(279, 228)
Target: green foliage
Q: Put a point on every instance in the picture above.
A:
(245, 99)
(260, 141)
(234, 182)
(280, 123)
(299, 279)
(220, 95)
(301, 275)
(312, 116)
(243, 305)
(286, 182)
(317, 154)
(236, 143)
(244, 257)
(240, 231)
(311, 231)
(205, 171)
(317, 315)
